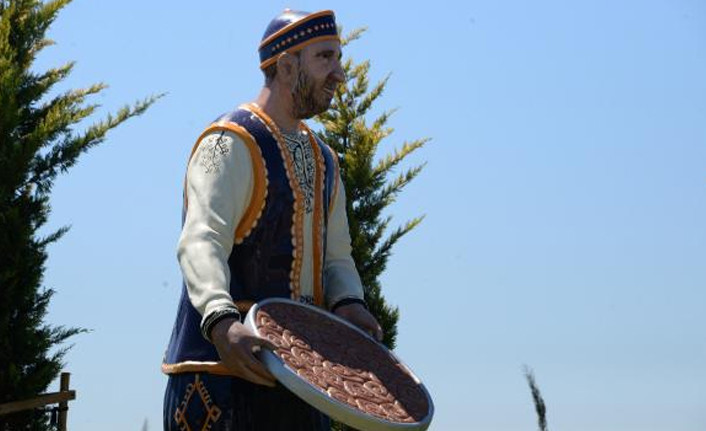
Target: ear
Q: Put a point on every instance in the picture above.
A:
(287, 67)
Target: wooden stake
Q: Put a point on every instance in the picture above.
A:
(64, 406)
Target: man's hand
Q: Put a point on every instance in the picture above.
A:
(235, 344)
(360, 317)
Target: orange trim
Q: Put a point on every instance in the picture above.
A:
(244, 305)
(298, 47)
(257, 201)
(195, 366)
(270, 60)
(259, 194)
(213, 413)
(292, 25)
(298, 213)
(318, 224)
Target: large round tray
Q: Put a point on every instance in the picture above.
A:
(339, 369)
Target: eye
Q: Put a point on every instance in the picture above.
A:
(326, 55)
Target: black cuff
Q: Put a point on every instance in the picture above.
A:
(348, 301)
(216, 316)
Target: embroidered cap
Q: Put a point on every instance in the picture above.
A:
(292, 30)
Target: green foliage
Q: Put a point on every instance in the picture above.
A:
(37, 143)
(371, 184)
(539, 406)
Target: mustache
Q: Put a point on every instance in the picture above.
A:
(332, 83)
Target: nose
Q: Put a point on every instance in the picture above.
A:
(338, 73)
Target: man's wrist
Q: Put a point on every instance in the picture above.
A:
(216, 317)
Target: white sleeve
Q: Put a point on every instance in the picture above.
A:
(341, 279)
(219, 184)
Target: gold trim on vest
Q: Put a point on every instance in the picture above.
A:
(318, 225)
(257, 202)
(298, 213)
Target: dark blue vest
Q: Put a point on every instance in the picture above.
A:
(261, 264)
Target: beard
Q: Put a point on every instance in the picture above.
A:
(306, 104)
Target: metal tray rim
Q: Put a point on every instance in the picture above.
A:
(322, 401)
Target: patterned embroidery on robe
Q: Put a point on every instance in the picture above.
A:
(304, 165)
(196, 412)
(213, 150)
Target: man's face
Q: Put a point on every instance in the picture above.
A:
(319, 75)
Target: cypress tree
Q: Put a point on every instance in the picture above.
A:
(371, 185)
(37, 142)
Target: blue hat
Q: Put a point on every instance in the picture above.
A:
(293, 30)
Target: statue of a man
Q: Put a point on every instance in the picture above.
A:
(264, 216)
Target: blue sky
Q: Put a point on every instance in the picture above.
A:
(564, 193)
